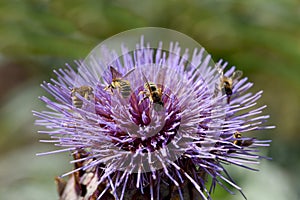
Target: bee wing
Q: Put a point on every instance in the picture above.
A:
(248, 142)
(129, 72)
(73, 91)
(146, 82)
(237, 75)
(219, 69)
(115, 73)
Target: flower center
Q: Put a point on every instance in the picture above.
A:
(156, 114)
(150, 121)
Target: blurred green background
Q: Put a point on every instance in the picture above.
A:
(260, 37)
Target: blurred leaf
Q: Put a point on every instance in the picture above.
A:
(35, 30)
(16, 119)
(25, 176)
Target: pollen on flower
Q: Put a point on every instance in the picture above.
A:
(151, 120)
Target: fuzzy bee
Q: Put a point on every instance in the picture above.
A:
(118, 82)
(84, 91)
(228, 82)
(152, 92)
(240, 142)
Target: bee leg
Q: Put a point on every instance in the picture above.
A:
(73, 92)
(142, 92)
(143, 100)
(228, 99)
(109, 88)
(167, 95)
(106, 88)
(111, 91)
(86, 96)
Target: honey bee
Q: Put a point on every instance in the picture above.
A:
(84, 91)
(153, 93)
(240, 142)
(227, 83)
(118, 82)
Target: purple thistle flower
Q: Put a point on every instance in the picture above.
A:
(155, 120)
